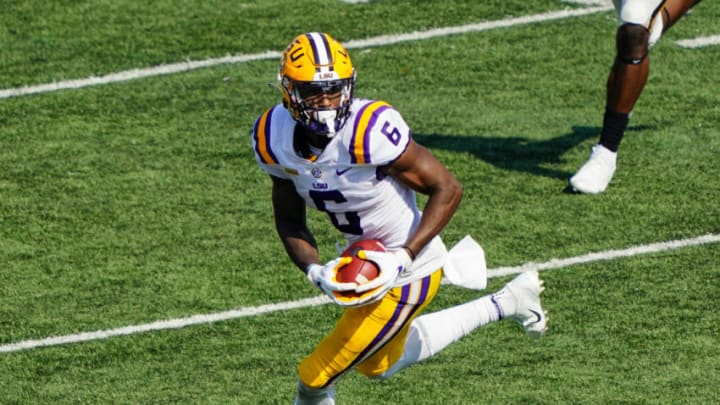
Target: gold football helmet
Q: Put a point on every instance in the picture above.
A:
(315, 66)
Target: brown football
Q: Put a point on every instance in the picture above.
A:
(358, 270)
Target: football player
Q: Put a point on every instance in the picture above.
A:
(355, 159)
(641, 23)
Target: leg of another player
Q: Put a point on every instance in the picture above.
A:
(675, 9)
(630, 70)
(625, 84)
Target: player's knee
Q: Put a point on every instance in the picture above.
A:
(632, 43)
(372, 369)
(388, 372)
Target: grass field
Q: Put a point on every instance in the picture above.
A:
(138, 200)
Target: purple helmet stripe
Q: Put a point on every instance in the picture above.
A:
(329, 52)
(320, 47)
(311, 38)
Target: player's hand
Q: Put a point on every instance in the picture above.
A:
(391, 264)
(323, 277)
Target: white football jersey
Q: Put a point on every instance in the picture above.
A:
(345, 180)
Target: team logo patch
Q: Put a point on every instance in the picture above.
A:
(317, 173)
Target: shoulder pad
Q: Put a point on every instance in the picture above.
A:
(261, 138)
(380, 134)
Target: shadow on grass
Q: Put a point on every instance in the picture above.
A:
(516, 153)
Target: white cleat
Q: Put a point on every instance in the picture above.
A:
(526, 289)
(595, 175)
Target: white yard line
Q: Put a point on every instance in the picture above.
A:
(699, 42)
(590, 2)
(606, 255)
(382, 40)
(322, 299)
(134, 74)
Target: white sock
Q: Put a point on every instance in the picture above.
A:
(506, 303)
(431, 333)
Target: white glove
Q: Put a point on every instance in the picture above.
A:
(391, 264)
(323, 277)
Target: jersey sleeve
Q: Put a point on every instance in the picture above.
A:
(380, 135)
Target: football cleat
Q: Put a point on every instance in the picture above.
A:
(526, 289)
(595, 175)
(314, 66)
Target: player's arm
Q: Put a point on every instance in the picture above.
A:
(291, 223)
(421, 171)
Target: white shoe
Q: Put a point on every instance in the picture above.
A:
(526, 289)
(595, 175)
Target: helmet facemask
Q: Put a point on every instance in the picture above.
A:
(306, 99)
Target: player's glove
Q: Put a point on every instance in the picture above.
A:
(323, 277)
(391, 264)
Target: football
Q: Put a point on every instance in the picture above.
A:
(358, 270)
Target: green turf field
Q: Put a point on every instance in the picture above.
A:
(138, 200)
